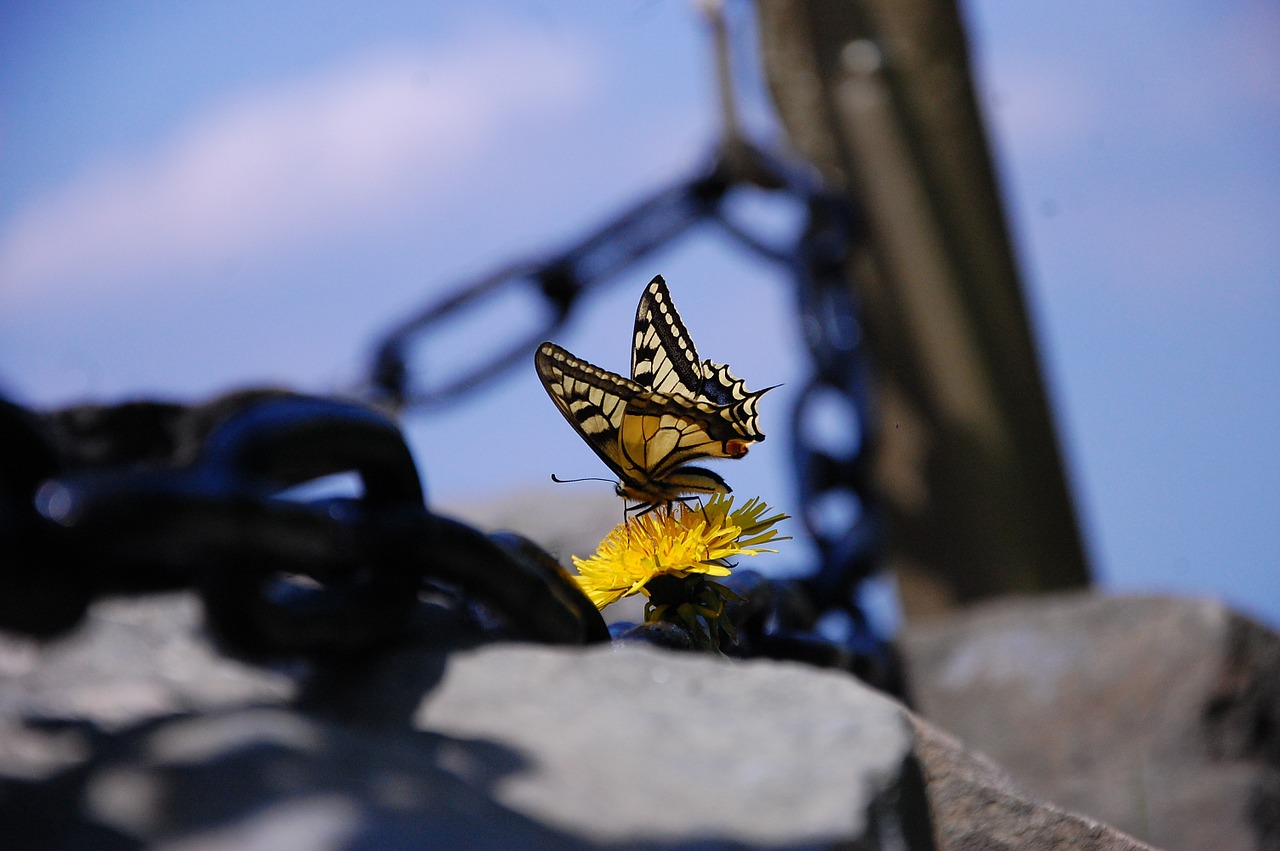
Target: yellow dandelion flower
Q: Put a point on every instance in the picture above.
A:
(676, 541)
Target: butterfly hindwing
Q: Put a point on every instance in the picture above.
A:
(664, 359)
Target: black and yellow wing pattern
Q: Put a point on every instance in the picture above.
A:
(673, 411)
(663, 358)
(647, 439)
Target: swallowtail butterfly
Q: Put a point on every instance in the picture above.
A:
(673, 410)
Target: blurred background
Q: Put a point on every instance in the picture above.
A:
(203, 196)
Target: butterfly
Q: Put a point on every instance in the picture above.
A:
(674, 410)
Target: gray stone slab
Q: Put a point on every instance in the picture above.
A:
(755, 752)
(135, 732)
(1160, 716)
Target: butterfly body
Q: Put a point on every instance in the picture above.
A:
(673, 411)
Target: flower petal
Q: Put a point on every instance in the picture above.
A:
(678, 540)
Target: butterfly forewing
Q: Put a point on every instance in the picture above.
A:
(663, 358)
(593, 400)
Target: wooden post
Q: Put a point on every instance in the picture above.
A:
(877, 94)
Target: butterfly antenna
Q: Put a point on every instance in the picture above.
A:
(560, 481)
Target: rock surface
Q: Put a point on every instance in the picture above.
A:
(135, 732)
(637, 743)
(1159, 716)
(975, 805)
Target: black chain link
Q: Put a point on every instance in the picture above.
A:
(146, 497)
(560, 280)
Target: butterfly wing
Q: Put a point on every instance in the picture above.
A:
(664, 359)
(593, 400)
(647, 439)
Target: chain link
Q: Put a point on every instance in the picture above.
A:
(146, 497)
(559, 281)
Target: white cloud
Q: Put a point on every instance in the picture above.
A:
(300, 159)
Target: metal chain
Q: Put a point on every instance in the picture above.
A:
(837, 505)
(146, 497)
(150, 496)
(560, 280)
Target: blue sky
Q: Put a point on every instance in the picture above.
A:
(199, 196)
